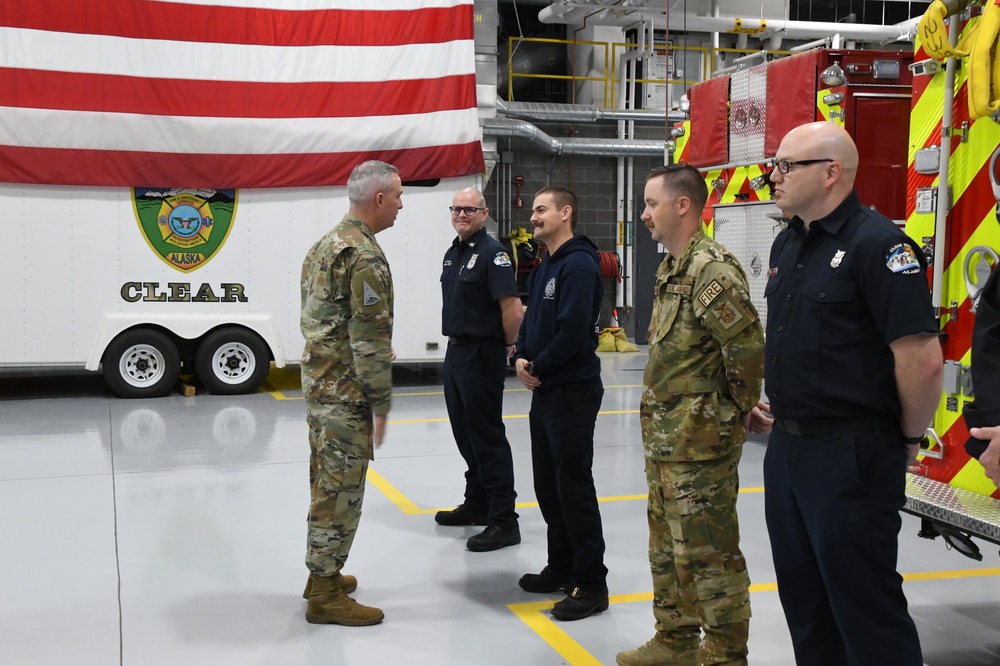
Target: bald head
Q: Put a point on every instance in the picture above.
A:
(471, 194)
(469, 212)
(823, 165)
(831, 140)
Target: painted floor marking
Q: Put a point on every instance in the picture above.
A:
(410, 508)
(532, 613)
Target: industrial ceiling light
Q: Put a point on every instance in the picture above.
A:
(833, 75)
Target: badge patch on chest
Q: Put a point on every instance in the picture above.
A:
(837, 258)
(901, 258)
(472, 261)
(711, 292)
(682, 289)
(501, 259)
(550, 288)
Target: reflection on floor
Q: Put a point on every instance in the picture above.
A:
(171, 531)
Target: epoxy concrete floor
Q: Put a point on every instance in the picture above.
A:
(172, 531)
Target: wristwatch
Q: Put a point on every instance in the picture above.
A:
(913, 440)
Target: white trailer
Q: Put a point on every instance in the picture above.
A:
(88, 287)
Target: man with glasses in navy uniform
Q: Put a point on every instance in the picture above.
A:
(481, 316)
(852, 370)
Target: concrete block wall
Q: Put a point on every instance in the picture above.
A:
(592, 178)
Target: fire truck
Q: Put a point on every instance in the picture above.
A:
(928, 137)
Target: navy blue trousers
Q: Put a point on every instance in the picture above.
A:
(473, 392)
(832, 507)
(562, 421)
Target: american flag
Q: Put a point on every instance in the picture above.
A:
(235, 93)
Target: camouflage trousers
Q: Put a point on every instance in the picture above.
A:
(338, 442)
(701, 596)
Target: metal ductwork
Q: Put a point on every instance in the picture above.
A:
(583, 113)
(628, 12)
(520, 129)
(529, 58)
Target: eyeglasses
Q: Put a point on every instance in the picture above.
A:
(468, 210)
(784, 165)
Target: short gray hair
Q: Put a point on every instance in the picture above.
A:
(368, 179)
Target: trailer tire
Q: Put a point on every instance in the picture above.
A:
(232, 361)
(141, 363)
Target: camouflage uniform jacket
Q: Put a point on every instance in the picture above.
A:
(706, 355)
(347, 303)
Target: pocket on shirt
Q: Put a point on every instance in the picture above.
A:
(771, 285)
(665, 312)
(825, 292)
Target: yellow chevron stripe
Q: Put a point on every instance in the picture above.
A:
(972, 478)
(920, 225)
(924, 115)
(755, 171)
(710, 176)
(681, 142)
(944, 419)
(972, 156)
(987, 233)
(824, 108)
(739, 176)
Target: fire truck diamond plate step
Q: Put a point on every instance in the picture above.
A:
(966, 510)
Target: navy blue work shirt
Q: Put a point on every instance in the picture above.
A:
(837, 295)
(476, 273)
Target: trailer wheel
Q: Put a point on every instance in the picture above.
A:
(141, 363)
(232, 361)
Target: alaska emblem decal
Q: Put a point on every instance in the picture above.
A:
(184, 227)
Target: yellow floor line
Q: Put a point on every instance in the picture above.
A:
(410, 508)
(548, 631)
(951, 574)
(390, 491)
(276, 391)
(531, 613)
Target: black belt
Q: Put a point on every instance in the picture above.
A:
(867, 424)
(465, 340)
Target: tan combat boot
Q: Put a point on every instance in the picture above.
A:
(328, 604)
(350, 583)
(659, 652)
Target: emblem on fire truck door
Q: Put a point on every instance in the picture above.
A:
(184, 227)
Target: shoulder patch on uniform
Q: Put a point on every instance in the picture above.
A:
(901, 258)
(727, 315)
(711, 292)
(501, 259)
(370, 296)
(369, 292)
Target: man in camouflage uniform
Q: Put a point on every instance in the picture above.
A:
(702, 378)
(347, 305)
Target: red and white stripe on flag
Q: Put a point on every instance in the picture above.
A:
(235, 93)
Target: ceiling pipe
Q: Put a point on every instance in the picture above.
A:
(520, 129)
(565, 11)
(582, 113)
